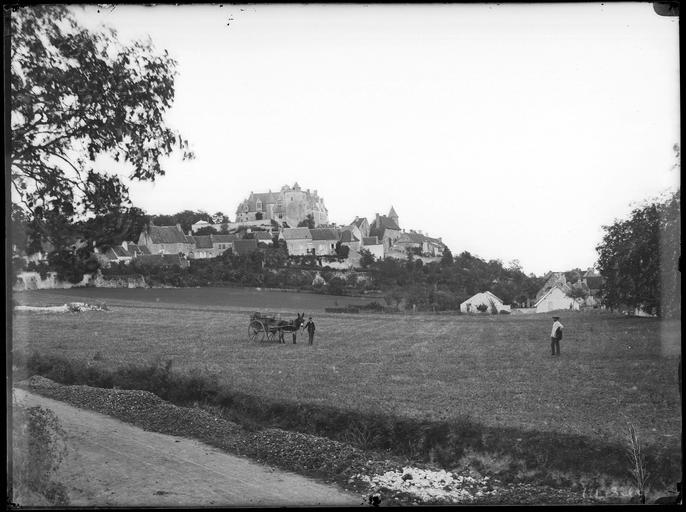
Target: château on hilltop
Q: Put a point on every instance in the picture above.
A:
(290, 205)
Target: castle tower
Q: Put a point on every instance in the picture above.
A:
(394, 216)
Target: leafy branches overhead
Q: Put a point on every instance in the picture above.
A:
(78, 94)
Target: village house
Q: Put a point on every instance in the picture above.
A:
(166, 240)
(425, 245)
(290, 205)
(263, 237)
(558, 297)
(486, 300)
(244, 247)
(203, 248)
(372, 244)
(298, 240)
(349, 239)
(386, 228)
(220, 243)
(361, 224)
(552, 279)
(324, 241)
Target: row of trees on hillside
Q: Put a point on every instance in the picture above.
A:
(445, 284)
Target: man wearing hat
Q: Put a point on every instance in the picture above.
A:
(310, 330)
(556, 336)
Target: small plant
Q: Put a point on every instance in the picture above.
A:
(637, 462)
(361, 435)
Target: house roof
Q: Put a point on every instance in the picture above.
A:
(414, 238)
(296, 234)
(121, 252)
(348, 236)
(263, 235)
(143, 249)
(223, 239)
(563, 288)
(370, 240)
(359, 221)
(383, 224)
(244, 246)
(167, 235)
(324, 234)
(482, 297)
(203, 241)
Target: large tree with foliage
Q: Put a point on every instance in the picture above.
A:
(307, 222)
(77, 94)
(638, 258)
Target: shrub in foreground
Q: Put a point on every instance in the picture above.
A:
(38, 448)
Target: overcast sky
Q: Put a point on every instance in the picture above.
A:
(511, 131)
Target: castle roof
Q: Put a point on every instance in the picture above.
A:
(392, 213)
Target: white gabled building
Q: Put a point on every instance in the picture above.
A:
(487, 299)
(557, 298)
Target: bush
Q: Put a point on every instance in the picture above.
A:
(38, 448)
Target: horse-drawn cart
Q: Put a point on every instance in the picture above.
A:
(270, 327)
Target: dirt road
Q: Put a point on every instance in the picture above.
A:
(116, 464)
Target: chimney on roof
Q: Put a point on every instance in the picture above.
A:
(377, 220)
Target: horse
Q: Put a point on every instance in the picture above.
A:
(291, 326)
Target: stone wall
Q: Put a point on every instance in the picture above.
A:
(32, 281)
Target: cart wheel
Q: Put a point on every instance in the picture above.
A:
(256, 331)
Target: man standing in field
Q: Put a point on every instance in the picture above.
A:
(556, 336)
(310, 329)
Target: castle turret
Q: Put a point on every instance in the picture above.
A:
(394, 216)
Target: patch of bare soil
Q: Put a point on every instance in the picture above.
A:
(323, 459)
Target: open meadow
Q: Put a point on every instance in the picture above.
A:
(493, 371)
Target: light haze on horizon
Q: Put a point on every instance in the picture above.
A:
(511, 131)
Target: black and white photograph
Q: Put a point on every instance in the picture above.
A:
(324, 255)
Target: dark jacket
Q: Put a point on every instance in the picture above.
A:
(310, 327)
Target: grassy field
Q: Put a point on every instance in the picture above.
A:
(495, 371)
